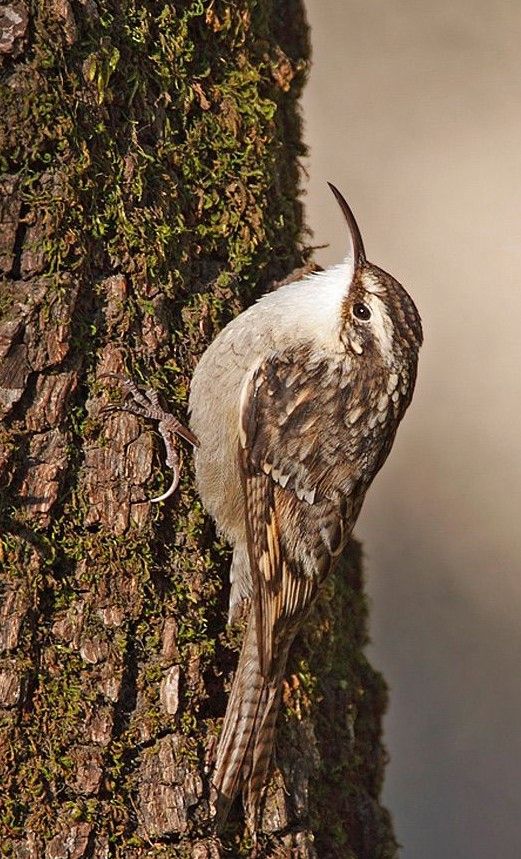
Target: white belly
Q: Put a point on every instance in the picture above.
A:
(214, 407)
(305, 311)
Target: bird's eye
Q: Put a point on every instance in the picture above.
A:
(361, 311)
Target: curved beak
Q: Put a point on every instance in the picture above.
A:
(357, 245)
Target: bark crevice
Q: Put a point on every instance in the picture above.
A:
(151, 165)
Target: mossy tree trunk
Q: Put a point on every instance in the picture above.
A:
(149, 156)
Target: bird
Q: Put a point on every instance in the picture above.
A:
(294, 408)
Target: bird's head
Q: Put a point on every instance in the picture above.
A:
(379, 318)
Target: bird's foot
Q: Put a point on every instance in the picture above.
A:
(146, 404)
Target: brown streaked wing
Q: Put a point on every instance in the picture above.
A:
(294, 531)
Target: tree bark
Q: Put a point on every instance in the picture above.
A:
(150, 163)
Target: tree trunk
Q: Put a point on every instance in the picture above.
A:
(149, 156)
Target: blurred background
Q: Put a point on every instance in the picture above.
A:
(413, 110)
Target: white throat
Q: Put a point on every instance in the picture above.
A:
(310, 309)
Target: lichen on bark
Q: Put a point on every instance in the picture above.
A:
(150, 164)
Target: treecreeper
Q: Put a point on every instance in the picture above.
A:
(294, 407)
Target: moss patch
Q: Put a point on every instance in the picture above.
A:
(155, 150)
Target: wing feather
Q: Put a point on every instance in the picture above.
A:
(295, 517)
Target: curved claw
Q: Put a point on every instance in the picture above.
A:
(171, 489)
(146, 404)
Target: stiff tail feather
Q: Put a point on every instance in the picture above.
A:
(246, 743)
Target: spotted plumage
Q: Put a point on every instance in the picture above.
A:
(295, 405)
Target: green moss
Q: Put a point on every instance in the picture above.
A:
(162, 144)
(352, 696)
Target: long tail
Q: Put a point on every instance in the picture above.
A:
(246, 744)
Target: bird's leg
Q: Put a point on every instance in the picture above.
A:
(146, 404)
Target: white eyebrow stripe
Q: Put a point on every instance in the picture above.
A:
(372, 285)
(382, 326)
